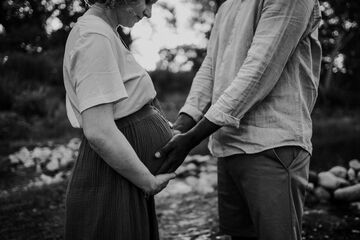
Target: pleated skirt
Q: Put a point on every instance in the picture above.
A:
(100, 203)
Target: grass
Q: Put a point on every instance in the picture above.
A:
(33, 214)
(38, 214)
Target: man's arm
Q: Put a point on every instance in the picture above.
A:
(278, 33)
(200, 96)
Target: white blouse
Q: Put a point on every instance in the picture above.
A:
(98, 69)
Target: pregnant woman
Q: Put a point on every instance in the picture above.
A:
(111, 97)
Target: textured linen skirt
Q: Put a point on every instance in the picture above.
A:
(100, 203)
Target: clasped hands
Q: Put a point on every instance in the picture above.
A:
(175, 152)
(187, 134)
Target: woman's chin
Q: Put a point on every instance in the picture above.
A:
(129, 25)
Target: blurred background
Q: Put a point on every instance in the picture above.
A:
(171, 45)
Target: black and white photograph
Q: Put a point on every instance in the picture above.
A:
(179, 120)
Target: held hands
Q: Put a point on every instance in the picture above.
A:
(175, 152)
(159, 183)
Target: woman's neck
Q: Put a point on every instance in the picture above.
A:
(107, 14)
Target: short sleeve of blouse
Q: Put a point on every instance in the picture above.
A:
(96, 72)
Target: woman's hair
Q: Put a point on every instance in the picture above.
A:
(110, 3)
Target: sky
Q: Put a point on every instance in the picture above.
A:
(151, 35)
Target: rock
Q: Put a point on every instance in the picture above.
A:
(349, 194)
(204, 186)
(210, 178)
(201, 158)
(13, 159)
(41, 154)
(322, 194)
(211, 168)
(330, 181)
(175, 187)
(53, 165)
(192, 181)
(339, 171)
(313, 177)
(310, 187)
(351, 175)
(190, 167)
(74, 144)
(355, 164)
(356, 205)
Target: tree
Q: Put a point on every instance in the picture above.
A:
(339, 35)
(26, 24)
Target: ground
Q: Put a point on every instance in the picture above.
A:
(38, 213)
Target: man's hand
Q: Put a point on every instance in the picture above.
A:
(176, 150)
(184, 123)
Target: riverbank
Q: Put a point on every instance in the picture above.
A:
(38, 213)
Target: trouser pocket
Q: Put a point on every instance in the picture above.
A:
(287, 155)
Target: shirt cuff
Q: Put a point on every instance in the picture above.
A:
(192, 112)
(218, 117)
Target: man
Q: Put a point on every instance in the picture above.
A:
(254, 94)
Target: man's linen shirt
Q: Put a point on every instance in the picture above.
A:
(260, 77)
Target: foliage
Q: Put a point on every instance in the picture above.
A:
(182, 58)
(32, 69)
(339, 35)
(30, 103)
(25, 22)
(8, 86)
(13, 126)
(25, 25)
(31, 85)
(167, 82)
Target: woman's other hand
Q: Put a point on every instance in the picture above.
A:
(109, 142)
(159, 183)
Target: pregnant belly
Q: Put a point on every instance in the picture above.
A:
(148, 136)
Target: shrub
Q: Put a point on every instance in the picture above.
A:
(45, 68)
(8, 88)
(31, 103)
(169, 82)
(13, 126)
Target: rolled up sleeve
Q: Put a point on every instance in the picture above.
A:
(200, 96)
(94, 66)
(278, 32)
(198, 101)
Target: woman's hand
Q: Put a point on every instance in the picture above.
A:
(159, 183)
(108, 141)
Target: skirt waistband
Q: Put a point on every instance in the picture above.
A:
(147, 110)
